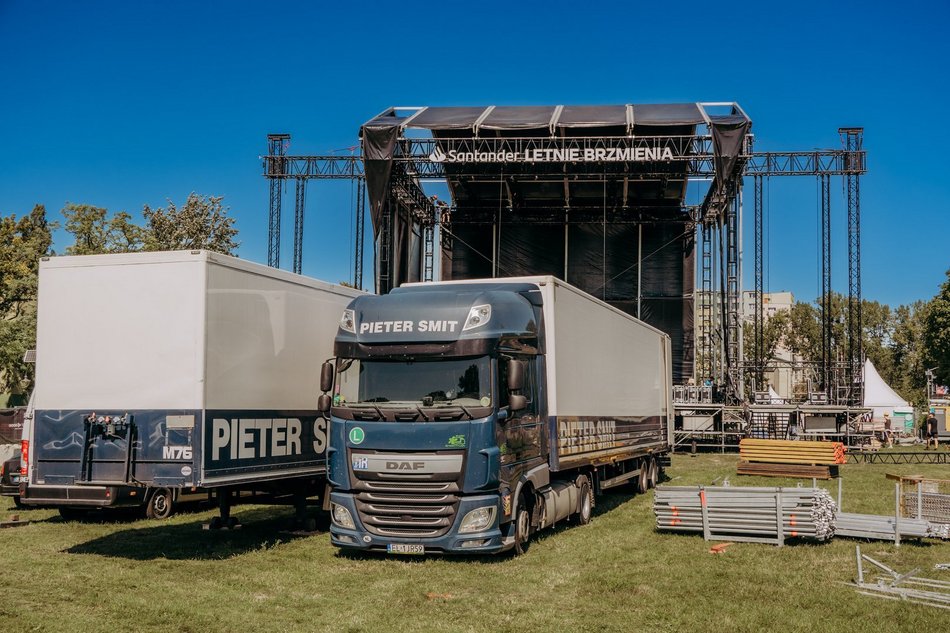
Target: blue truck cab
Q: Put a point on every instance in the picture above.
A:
(442, 433)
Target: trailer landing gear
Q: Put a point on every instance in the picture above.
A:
(301, 520)
(224, 521)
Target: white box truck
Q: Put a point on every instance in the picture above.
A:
(466, 415)
(164, 373)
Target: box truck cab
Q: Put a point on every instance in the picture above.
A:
(467, 415)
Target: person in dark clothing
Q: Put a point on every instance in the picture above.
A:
(930, 429)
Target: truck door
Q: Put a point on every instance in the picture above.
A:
(520, 436)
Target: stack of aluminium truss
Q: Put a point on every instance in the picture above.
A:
(759, 515)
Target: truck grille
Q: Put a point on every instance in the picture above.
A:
(407, 508)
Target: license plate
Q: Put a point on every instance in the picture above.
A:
(405, 548)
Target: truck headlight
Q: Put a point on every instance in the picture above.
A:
(341, 516)
(477, 520)
(348, 321)
(477, 317)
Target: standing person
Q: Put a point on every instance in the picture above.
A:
(888, 433)
(930, 428)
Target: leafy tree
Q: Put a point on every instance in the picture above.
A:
(803, 336)
(878, 330)
(94, 232)
(201, 223)
(936, 333)
(774, 330)
(906, 375)
(22, 243)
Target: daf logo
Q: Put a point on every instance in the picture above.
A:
(437, 155)
(405, 465)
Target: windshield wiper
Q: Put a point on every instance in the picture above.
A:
(366, 405)
(452, 405)
(425, 418)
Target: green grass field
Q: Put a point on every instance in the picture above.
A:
(616, 574)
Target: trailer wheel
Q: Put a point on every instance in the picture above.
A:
(160, 504)
(585, 504)
(643, 481)
(654, 472)
(522, 526)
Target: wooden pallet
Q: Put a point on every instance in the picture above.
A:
(792, 452)
(796, 471)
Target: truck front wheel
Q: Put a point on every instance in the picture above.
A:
(522, 527)
(161, 504)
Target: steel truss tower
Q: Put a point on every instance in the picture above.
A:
(827, 318)
(299, 203)
(852, 140)
(275, 165)
(733, 324)
(758, 356)
(360, 233)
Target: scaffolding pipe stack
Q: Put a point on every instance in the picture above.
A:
(746, 513)
(792, 452)
(888, 528)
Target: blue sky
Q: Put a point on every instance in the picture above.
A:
(121, 104)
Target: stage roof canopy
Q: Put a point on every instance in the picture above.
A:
(611, 120)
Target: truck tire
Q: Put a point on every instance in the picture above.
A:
(654, 472)
(585, 504)
(643, 481)
(522, 527)
(161, 504)
(16, 502)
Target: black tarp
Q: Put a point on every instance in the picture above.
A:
(592, 116)
(662, 114)
(518, 118)
(508, 118)
(728, 135)
(452, 118)
(379, 143)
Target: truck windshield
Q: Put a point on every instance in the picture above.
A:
(457, 381)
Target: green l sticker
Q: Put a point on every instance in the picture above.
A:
(357, 435)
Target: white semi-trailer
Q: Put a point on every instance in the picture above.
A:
(160, 374)
(468, 415)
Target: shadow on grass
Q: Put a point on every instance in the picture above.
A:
(261, 529)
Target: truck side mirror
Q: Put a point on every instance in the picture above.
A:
(515, 375)
(517, 403)
(326, 377)
(323, 403)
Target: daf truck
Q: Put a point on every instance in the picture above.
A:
(162, 375)
(467, 415)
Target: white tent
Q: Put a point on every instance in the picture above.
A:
(879, 397)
